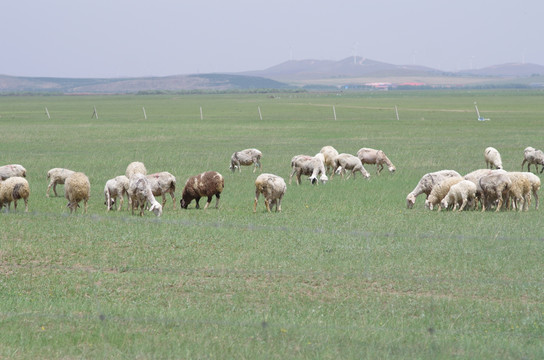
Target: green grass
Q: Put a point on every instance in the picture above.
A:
(345, 271)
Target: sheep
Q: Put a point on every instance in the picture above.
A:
(139, 191)
(13, 189)
(163, 183)
(77, 188)
(345, 162)
(329, 154)
(492, 158)
(377, 157)
(207, 184)
(475, 177)
(534, 180)
(273, 189)
(135, 167)
(531, 156)
(494, 187)
(115, 188)
(464, 192)
(426, 184)
(310, 166)
(8, 171)
(57, 176)
(440, 191)
(245, 157)
(520, 191)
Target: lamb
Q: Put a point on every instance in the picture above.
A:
(273, 189)
(426, 184)
(245, 157)
(207, 184)
(494, 187)
(376, 157)
(116, 188)
(8, 171)
(140, 192)
(531, 156)
(310, 166)
(520, 191)
(345, 162)
(163, 183)
(492, 158)
(440, 191)
(464, 192)
(13, 189)
(135, 167)
(77, 188)
(329, 154)
(57, 176)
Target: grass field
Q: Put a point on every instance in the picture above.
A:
(345, 271)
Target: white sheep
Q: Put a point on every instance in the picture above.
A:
(345, 162)
(519, 193)
(310, 166)
(8, 171)
(116, 188)
(440, 191)
(273, 189)
(534, 180)
(492, 158)
(476, 175)
(163, 183)
(329, 154)
(206, 184)
(495, 188)
(375, 157)
(57, 176)
(246, 157)
(460, 194)
(135, 167)
(532, 156)
(12, 189)
(77, 188)
(426, 184)
(140, 192)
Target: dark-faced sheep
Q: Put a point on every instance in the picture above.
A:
(273, 188)
(13, 189)
(375, 157)
(246, 157)
(207, 184)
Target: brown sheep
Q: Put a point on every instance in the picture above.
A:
(207, 184)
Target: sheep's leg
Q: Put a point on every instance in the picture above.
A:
(536, 199)
(26, 205)
(499, 205)
(379, 168)
(14, 205)
(257, 194)
(48, 188)
(55, 188)
(298, 177)
(173, 195)
(463, 205)
(291, 175)
(197, 204)
(164, 199)
(217, 196)
(267, 204)
(278, 205)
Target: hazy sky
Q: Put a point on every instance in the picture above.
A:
(110, 38)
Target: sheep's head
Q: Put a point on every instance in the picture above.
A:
(323, 178)
(392, 169)
(156, 208)
(313, 180)
(410, 201)
(444, 203)
(183, 204)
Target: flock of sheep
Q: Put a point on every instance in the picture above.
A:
(491, 187)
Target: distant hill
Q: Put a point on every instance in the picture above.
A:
(348, 67)
(507, 70)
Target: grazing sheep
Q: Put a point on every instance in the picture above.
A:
(345, 162)
(531, 156)
(135, 167)
(462, 193)
(140, 192)
(376, 157)
(57, 176)
(475, 177)
(495, 188)
(163, 183)
(8, 171)
(310, 166)
(440, 191)
(13, 189)
(535, 185)
(116, 188)
(329, 154)
(426, 184)
(520, 191)
(77, 188)
(273, 188)
(207, 184)
(245, 157)
(492, 158)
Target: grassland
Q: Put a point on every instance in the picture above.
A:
(345, 271)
